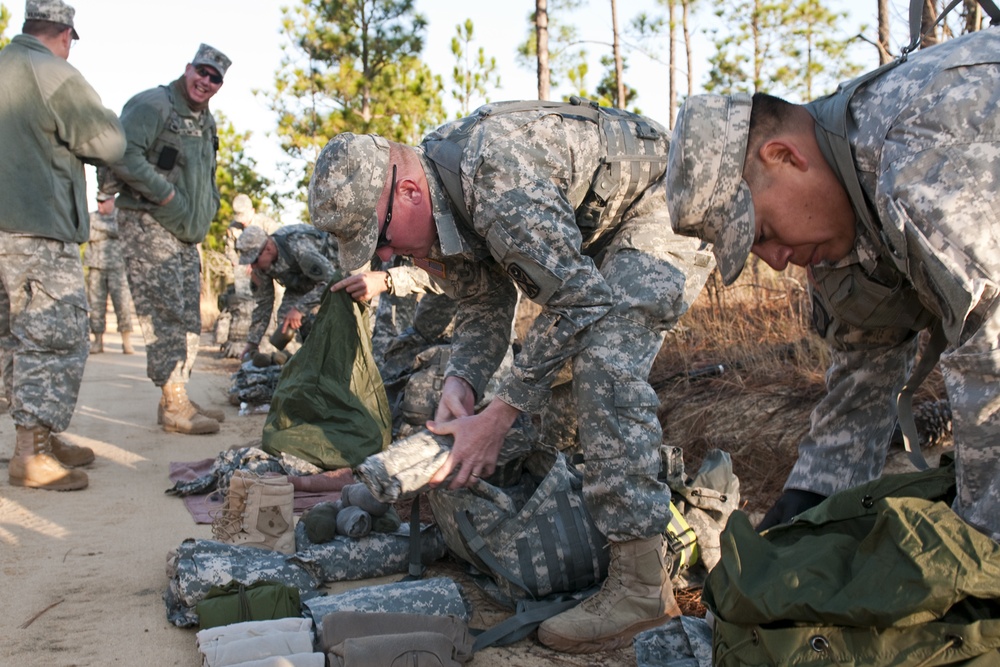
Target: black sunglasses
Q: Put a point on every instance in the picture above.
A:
(212, 76)
(382, 240)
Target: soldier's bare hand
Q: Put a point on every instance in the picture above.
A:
(478, 441)
(362, 286)
(293, 320)
(457, 400)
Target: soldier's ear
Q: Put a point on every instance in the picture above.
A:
(782, 152)
(409, 190)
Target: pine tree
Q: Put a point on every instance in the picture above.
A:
(236, 172)
(4, 22)
(352, 65)
(473, 73)
(791, 48)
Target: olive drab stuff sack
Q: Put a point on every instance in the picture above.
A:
(330, 407)
(238, 603)
(882, 574)
(533, 540)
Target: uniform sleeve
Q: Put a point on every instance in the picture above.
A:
(91, 132)
(521, 208)
(483, 327)
(263, 297)
(316, 267)
(407, 280)
(143, 120)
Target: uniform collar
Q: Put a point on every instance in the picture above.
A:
(450, 241)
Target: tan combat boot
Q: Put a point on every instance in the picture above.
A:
(257, 513)
(34, 466)
(70, 455)
(97, 346)
(178, 414)
(211, 413)
(636, 596)
(127, 343)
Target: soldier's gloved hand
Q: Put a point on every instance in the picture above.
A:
(791, 503)
(248, 351)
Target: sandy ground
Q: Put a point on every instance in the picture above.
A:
(82, 573)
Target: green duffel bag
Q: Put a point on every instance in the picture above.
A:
(885, 574)
(236, 603)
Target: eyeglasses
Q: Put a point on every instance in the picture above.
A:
(382, 240)
(205, 72)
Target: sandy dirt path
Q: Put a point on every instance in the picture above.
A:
(82, 573)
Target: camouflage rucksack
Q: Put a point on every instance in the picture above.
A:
(532, 540)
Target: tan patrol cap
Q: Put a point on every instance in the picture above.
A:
(53, 11)
(706, 193)
(242, 209)
(346, 185)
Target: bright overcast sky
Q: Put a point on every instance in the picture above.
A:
(130, 45)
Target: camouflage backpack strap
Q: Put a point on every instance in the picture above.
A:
(445, 152)
(904, 401)
(916, 19)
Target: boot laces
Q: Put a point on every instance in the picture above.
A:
(227, 522)
(602, 600)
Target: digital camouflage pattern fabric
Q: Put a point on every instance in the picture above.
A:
(439, 596)
(925, 154)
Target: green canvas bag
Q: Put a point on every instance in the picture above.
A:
(882, 574)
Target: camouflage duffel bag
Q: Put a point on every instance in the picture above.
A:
(195, 566)
(534, 539)
(437, 596)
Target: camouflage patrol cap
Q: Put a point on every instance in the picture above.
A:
(706, 193)
(103, 196)
(250, 243)
(212, 57)
(346, 185)
(53, 11)
(242, 209)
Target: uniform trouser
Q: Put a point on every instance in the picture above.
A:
(654, 276)
(164, 275)
(102, 283)
(43, 329)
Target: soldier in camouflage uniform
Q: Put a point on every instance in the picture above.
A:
(887, 192)
(238, 312)
(563, 202)
(301, 259)
(106, 276)
(168, 199)
(52, 121)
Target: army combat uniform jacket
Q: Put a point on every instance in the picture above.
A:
(51, 121)
(44, 189)
(170, 147)
(306, 262)
(925, 137)
(566, 205)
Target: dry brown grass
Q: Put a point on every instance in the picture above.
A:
(741, 373)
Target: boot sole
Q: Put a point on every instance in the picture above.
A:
(173, 429)
(624, 638)
(47, 487)
(159, 417)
